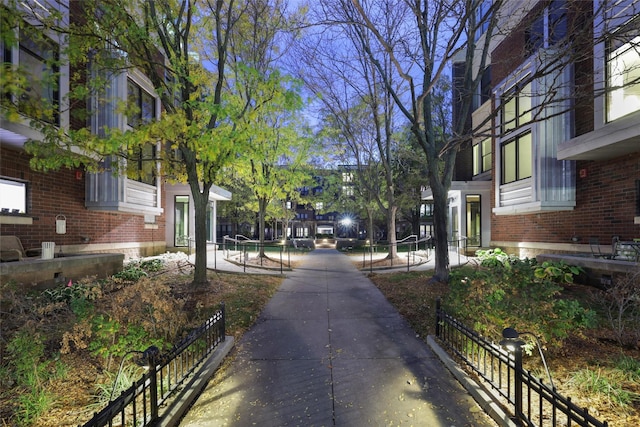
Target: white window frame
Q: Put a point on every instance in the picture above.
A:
(622, 98)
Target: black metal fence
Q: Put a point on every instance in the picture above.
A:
(410, 245)
(241, 248)
(141, 404)
(534, 403)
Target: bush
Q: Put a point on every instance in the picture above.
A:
(622, 308)
(30, 371)
(504, 291)
(607, 384)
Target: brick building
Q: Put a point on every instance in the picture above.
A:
(557, 125)
(102, 212)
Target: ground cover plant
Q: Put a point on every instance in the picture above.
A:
(597, 363)
(61, 348)
(587, 360)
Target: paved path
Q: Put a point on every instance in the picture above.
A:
(329, 350)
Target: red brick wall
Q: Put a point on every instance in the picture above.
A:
(605, 207)
(63, 193)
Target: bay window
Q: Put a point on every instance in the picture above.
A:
(142, 110)
(141, 105)
(35, 58)
(38, 58)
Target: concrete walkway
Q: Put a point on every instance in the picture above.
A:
(330, 350)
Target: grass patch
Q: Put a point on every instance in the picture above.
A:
(606, 385)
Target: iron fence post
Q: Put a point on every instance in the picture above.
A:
(517, 353)
(153, 387)
(408, 256)
(438, 317)
(223, 326)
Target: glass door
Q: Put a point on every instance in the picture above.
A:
(474, 230)
(181, 223)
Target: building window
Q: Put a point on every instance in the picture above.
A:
(623, 72)
(14, 196)
(142, 164)
(482, 157)
(38, 60)
(474, 220)
(142, 110)
(426, 211)
(483, 17)
(516, 107)
(517, 159)
(347, 190)
(547, 28)
(483, 90)
(141, 105)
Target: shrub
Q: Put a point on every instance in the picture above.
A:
(606, 384)
(630, 366)
(504, 291)
(622, 308)
(30, 372)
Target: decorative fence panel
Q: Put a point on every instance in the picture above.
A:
(533, 403)
(141, 404)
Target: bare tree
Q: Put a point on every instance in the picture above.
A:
(407, 46)
(354, 93)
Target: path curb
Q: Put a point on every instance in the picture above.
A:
(476, 390)
(193, 388)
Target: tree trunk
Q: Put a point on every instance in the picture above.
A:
(200, 201)
(440, 229)
(262, 210)
(391, 231)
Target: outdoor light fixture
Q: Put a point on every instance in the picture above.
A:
(146, 359)
(512, 342)
(511, 339)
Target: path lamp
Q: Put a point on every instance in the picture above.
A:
(515, 334)
(146, 360)
(513, 344)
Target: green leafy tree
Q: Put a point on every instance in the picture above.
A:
(272, 163)
(187, 50)
(277, 145)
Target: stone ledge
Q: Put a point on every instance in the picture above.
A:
(40, 273)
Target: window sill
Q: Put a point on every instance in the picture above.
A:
(535, 207)
(16, 219)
